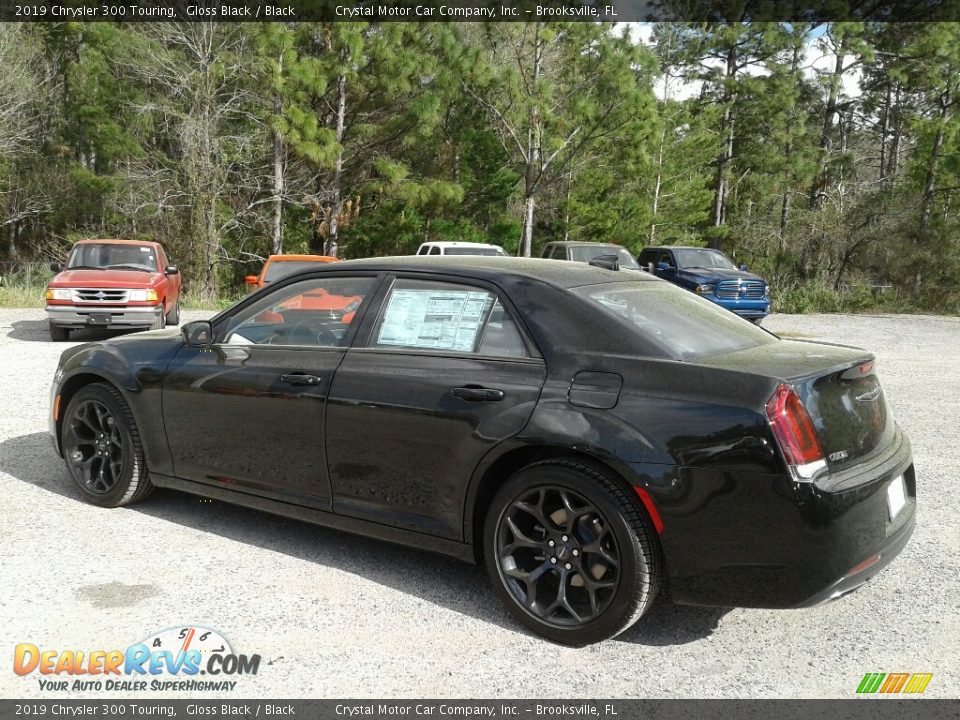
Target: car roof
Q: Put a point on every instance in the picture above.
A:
(559, 273)
(457, 243)
(571, 243)
(301, 258)
(113, 241)
(679, 247)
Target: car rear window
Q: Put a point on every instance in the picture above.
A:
(686, 325)
(586, 253)
(277, 270)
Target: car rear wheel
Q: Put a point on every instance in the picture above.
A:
(102, 449)
(173, 317)
(58, 333)
(572, 555)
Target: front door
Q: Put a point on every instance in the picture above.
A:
(248, 412)
(444, 375)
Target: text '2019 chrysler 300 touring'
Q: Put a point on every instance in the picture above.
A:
(588, 434)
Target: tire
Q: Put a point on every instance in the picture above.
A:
(756, 321)
(160, 323)
(102, 448)
(173, 317)
(59, 333)
(608, 523)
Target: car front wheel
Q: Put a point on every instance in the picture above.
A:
(102, 449)
(573, 556)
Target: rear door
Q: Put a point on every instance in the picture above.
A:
(437, 378)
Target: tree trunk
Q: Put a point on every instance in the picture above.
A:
(527, 241)
(930, 181)
(333, 234)
(658, 184)
(884, 134)
(278, 179)
(719, 211)
(893, 162)
(12, 252)
(820, 179)
(534, 143)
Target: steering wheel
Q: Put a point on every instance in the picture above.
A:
(306, 333)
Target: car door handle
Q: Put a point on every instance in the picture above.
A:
(477, 394)
(300, 379)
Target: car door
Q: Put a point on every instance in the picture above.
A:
(439, 376)
(665, 256)
(248, 411)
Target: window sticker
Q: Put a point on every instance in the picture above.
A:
(434, 319)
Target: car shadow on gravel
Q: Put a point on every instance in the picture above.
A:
(455, 585)
(39, 331)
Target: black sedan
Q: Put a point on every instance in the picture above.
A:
(589, 434)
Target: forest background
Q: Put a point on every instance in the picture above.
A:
(824, 156)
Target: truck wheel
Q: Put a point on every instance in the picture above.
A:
(173, 317)
(160, 323)
(571, 554)
(58, 333)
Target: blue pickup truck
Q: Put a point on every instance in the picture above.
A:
(713, 275)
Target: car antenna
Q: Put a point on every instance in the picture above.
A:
(607, 262)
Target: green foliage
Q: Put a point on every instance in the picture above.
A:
(738, 135)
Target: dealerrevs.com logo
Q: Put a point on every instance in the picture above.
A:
(169, 660)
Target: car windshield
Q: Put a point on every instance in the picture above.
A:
(280, 269)
(486, 251)
(687, 325)
(113, 256)
(586, 253)
(703, 259)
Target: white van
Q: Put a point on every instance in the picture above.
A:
(461, 248)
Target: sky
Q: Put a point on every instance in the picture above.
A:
(816, 58)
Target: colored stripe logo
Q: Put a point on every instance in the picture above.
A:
(892, 683)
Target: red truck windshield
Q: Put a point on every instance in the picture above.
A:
(103, 256)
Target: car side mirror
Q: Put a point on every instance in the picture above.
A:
(198, 333)
(744, 268)
(56, 267)
(250, 280)
(171, 270)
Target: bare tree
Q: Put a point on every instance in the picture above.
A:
(195, 76)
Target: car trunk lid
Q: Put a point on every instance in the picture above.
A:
(838, 386)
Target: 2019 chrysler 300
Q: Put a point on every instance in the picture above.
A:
(586, 433)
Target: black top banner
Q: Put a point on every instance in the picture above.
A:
(479, 10)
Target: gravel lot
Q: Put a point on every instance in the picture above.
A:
(340, 616)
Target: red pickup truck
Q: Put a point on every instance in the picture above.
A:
(113, 283)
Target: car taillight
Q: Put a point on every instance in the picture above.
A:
(795, 433)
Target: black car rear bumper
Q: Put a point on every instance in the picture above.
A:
(789, 544)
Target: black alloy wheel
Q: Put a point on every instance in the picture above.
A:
(101, 447)
(558, 555)
(572, 555)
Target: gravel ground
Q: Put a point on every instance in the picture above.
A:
(339, 616)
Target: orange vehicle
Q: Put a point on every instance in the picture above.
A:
(279, 266)
(335, 307)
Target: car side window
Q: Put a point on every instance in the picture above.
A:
(439, 316)
(423, 250)
(667, 258)
(435, 250)
(311, 313)
(548, 251)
